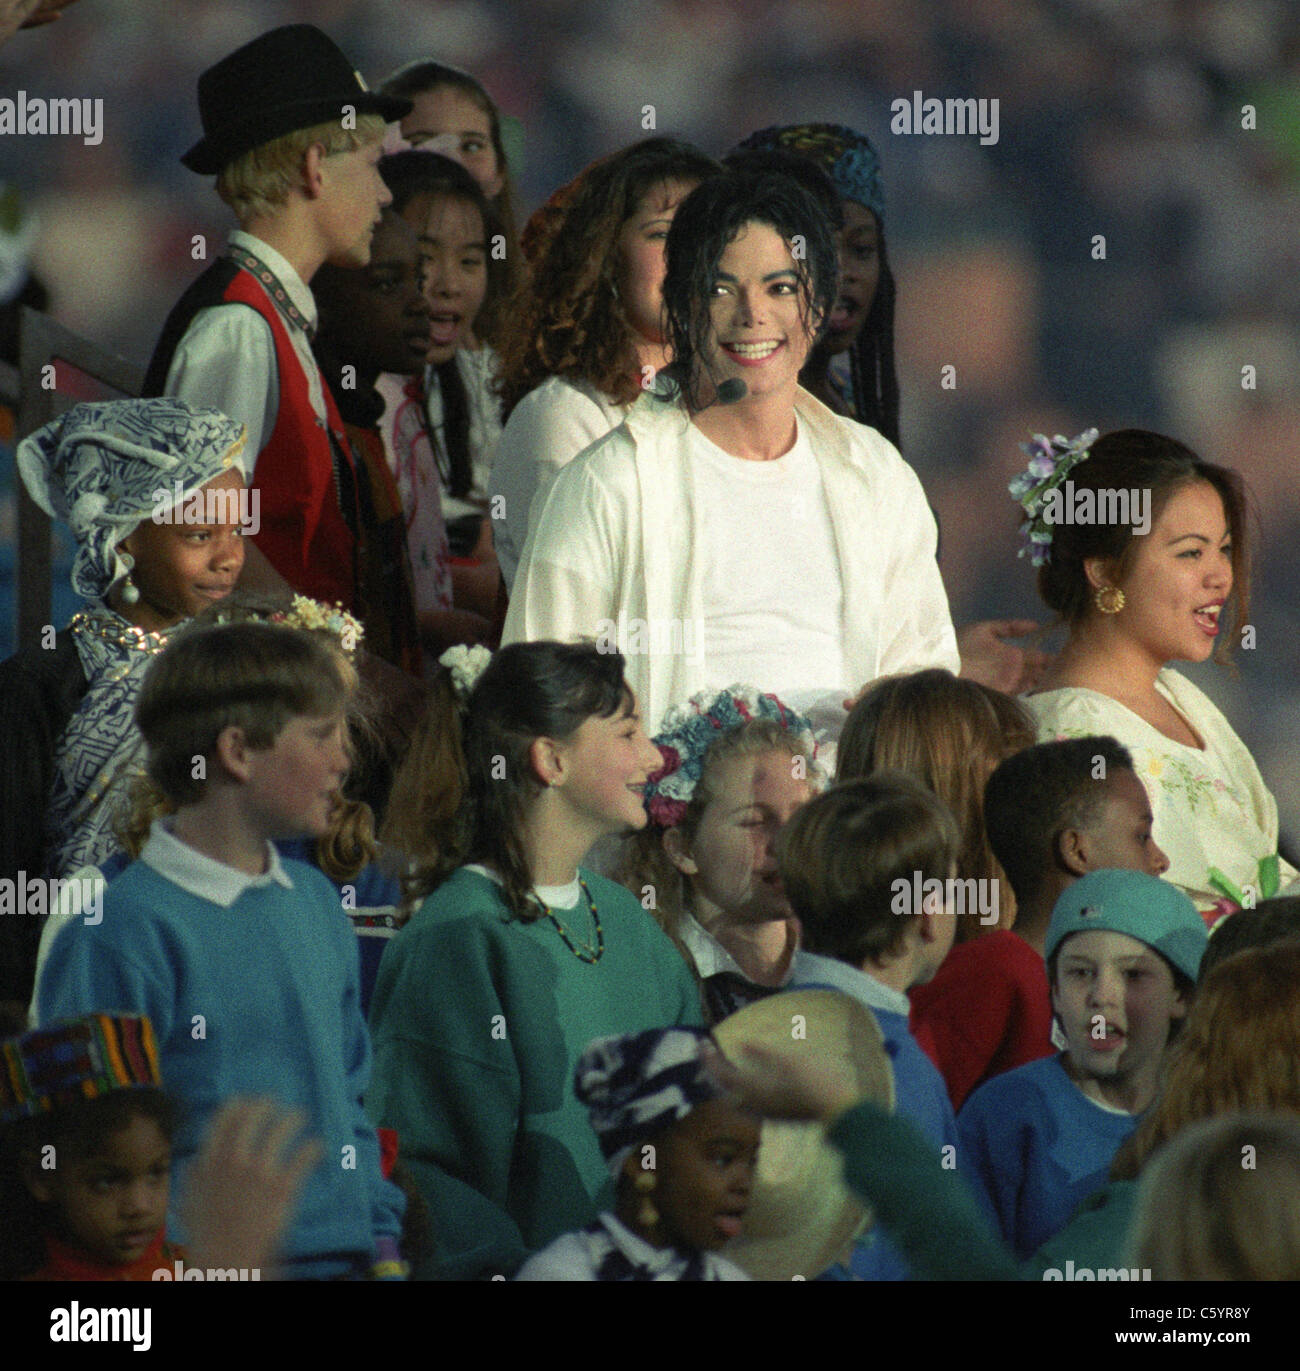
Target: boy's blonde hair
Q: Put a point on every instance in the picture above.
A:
(1221, 1202)
(258, 183)
(842, 852)
(256, 677)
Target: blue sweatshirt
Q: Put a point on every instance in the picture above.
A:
(919, 1090)
(258, 996)
(1034, 1147)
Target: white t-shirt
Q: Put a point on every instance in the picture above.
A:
(773, 594)
(226, 358)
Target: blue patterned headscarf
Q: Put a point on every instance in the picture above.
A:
(845, 155)
(636, 1083)
(105, 467)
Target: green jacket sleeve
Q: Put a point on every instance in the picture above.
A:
(927, 1210)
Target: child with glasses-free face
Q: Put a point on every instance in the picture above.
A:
(729, 859)
(453, 249)
(109, 1199)
(703, 1169)
(1116, 1000)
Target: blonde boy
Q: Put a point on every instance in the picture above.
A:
(293, 136)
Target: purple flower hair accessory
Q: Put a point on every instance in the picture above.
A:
(1050, 462)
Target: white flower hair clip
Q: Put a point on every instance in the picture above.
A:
(466, 665)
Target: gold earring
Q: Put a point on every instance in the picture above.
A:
(1109, 599)
(646, 1215)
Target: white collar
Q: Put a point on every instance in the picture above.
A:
(552, 896)
(708, 953)
(297, 289)
(202, 875)
(811, 969)
(659, 1261)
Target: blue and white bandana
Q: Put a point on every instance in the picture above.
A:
(637, 1083)
(106, 466)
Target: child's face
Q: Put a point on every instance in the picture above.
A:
(1121, 836)
(730, 864)
(352, 195)
(182, 569)
(446, 120)
(705, 1175)
(605, 767)
(859, 245)
(293, 785)
(641, 258)
(1115, 999)
(378, 317)
(112, 1204)
(453, 256)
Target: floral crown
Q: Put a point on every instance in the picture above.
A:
(310, 614)
(689, 729)
(466, 665)
(1050, 462)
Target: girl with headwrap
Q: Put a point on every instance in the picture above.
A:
(124, 476)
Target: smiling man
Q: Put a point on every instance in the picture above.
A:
(799, 539)
(292, 135)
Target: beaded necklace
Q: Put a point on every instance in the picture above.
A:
(119, 634)
(584, 952)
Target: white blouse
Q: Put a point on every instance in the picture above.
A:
(1212, 810)
(545, 432)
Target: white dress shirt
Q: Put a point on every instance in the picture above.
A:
(226, 357)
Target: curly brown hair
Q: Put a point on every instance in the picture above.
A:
(568, 320)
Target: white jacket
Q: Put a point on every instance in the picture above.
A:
(615, 544)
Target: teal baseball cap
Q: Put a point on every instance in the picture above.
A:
(1145, 907)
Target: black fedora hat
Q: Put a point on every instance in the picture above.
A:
(290, 78)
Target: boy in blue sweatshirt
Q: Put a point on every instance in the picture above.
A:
(246, 963)
(1123, 950)
(852, 861)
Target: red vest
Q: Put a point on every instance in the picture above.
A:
(303, 534)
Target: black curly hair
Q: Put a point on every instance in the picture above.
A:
(706, 222)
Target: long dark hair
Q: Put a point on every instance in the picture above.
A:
(468, 783)
(415, 78)
(416, 172)
(568, 319)
(705, 223)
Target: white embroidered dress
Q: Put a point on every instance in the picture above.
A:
(1212, 809)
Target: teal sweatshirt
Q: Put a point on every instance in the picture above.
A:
(478, 1020)
(258, 998)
